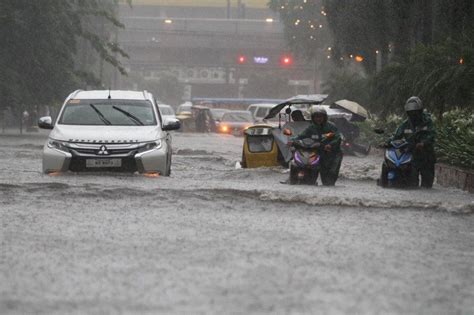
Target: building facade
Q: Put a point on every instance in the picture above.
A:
(215, 49)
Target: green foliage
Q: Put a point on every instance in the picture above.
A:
(41, 40)
(441, 75)
(346, 84)
(305, 25)
(391, 27)
(389, 125)
(455, 138)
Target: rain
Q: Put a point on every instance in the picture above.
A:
(149, 157)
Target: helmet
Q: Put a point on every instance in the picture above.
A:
(413, 103)
(318, 110)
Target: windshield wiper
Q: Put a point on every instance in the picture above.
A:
(131, 116)
(101, 116)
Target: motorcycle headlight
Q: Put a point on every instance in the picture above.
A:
(58, 145)
(154, 145)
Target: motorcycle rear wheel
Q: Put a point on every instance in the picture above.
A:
(293, 175)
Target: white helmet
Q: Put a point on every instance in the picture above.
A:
(413, 103)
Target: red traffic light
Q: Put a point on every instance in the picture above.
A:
(286, 60)
(242, 59)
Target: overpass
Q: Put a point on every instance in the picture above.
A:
(212, 55)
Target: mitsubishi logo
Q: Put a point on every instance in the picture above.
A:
(103, 150)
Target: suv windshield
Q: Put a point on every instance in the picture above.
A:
(108, 112)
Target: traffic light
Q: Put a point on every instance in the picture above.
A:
(242, 59)
(286, 60)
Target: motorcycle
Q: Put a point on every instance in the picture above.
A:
(397, 167)
(306, 162)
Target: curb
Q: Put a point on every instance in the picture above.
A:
(452, 176)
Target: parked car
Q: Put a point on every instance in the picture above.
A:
(108, 131)
(166, 111)
(235, 122)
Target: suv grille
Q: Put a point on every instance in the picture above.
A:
(82, 152)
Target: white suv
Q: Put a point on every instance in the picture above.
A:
(259, 111)
(109, 131)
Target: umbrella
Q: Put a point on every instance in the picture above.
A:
(358, 112)
(311, 99)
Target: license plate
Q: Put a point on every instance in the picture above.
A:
(103, 163)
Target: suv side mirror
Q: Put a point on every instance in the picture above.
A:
(45, 122)
(171, 124)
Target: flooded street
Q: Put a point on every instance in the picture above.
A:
(213, 238)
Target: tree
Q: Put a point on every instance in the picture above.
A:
(441, 75)
(38, 60)
(305, 26)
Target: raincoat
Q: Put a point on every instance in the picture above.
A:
(330, 161)
(424, 159)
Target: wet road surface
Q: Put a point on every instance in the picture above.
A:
(216, 239)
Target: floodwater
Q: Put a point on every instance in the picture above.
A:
(213, 238)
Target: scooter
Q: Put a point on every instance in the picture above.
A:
(306, 162)
(397, 167)
(304, 167)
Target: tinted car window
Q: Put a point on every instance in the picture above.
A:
(104, 112)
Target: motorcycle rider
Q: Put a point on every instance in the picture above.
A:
(331, 155)
(419, 131)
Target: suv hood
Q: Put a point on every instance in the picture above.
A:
(106, 134)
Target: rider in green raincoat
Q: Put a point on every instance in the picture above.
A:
(419, 131)
(331, 154)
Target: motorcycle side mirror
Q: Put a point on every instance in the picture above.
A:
(288, 110)
(287, 132)
(379, 131)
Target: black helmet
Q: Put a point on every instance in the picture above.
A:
(318, 110)
(413, 104)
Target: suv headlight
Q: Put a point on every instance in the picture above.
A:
(58, 145)
(155, 145)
